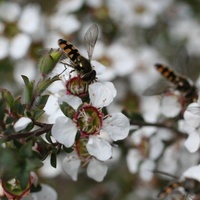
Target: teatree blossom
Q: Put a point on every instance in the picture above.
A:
(95, 169)
(191, 125)
(116, 125)
(147, 149)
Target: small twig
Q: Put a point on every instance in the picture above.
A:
(45, 128)
(159, 125)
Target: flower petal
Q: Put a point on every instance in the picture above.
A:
(193, 141)
(71, 164)
(192, 115)
(170, 106)
(72, 100)
(22, 123)
(193, 172)
(133, 158)
(102, 93)
(117, 126)
(146, 170)
(99, 148)
(64, 131)
(47, 192)
(97, 170)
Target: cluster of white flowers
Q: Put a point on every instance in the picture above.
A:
(89, 131)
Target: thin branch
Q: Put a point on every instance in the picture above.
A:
(45, 128)
(159, 125)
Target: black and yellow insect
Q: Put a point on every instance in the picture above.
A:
(179, 78)
(190, 186)
(79, 63)
(181, 83)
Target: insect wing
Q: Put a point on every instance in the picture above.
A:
(157, 88)
(90, 39)
(181, 61)
(184, 66)
(67, 61)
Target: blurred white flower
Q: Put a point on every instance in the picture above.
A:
(9, 11)
(66, 24)
(193, 173)
(141, 159)
(4, 47)
(138, 12)
(145, 58)
(29, 21)
(19, 45)
(192, 127)
(65, 7)
(47, 171)
(24, 67)
(146, 170)
(47, 192)
(119, 58)
(170, 106)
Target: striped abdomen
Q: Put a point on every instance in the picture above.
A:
(169, 189)
(69, 49)
(181, 83)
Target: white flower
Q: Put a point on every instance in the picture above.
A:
(4, 47)
(29, 71)
(136, 158)
(22, 123)
(64, 131)
(192, 127)
(116, 125)
(9, 11)
(47, 192)
(95, 169)
(193, 173)
(47, 171)
(71, 164)
(30, 19)
(65, 24)
(19, 45)
(170, 106)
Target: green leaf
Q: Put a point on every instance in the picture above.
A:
(26, 149)
(41, 101)
(33, 163)
(67, 110)
(24, 178)
(19, 107)
(43, 85)
(67, 150)
(53, 160)
(37, 113)
(8, 163)
(48, 137)
(28, 89)
(2, 109)
(8, 97)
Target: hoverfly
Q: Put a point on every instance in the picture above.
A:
(79, 63)
(190, 185)
(178, 78)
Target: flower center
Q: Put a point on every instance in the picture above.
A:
(76, 86)
(89, 120)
